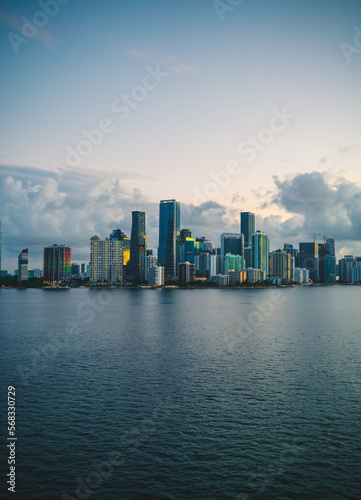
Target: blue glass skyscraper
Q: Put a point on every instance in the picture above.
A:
(169, 237)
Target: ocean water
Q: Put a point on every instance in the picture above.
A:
(183, 394)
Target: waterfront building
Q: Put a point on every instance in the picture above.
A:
(247, 227)
(57, 263)
(150, 261)
(34, 273)
(106, 260)
(186, 272)
(187, 250)
(233, 262)
(169, 237)
(236, 277)
(255, 275)
(260, 252)
(138, 242)
(281, 265)
(349, 269)
(118, 234)
(221, 279)
(231, 243)
(309, 259)
(327, 261)
(301, 275)
(23, 261)
(248, 256)
(288, 247)
(156, 276)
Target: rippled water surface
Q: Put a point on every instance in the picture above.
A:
(184, 394)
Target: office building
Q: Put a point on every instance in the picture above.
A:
(260, 252)
(138, 242)
(169, 237)
(187, 250)
(288, 247)
(231, 243)
(156, 276)
(327, 261)
(281, 265)
(23, 261)
(237, 277)
(57, 263)
(186, 272)
(106, 260)
(309, 259)
(247, 227)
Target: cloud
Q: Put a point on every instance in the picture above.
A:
(42, 36)
(329, 208)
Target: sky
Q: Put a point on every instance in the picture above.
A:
(227, 106)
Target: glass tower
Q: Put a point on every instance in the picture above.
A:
(138, 243)
(260, 251)
(169, 237)
(247, 227)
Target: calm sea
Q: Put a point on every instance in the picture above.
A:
(183, 394)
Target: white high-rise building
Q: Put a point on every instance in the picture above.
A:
(23, 266)
(156, 276)
(301, 275)
(106, 260)
(150, 261)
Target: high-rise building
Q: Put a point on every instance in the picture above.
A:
(150, 261)
(288, 247)
(184, 233)
(187, 250)
(281, 265)
(57, 263)
(309, 259)
(186, 272)
(118, 234)
(350, 269)
(169, 237)
(231, 243)
(301, 275)
(260, 252)
(23, 262)
(156, 276)
(233, 263)
(106, 260)
(138, 243)
(327, 261)
(247, 227)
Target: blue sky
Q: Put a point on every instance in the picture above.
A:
(223, 78)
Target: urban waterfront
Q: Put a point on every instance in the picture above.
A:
(184, 394)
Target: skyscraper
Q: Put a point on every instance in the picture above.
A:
(309, 259)
(281, 265)
(183, 234)
(57, 263)
(138, 242)
(247, 227)
(118, 234)
(23, 262)
(327, 261)
(169, 237)
(232, 243)
(260, 252)
(106, 260)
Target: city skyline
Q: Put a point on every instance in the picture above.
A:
(245, 113)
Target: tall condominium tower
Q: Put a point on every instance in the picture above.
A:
(23, 262)
(327, 261)
(138, 242)
(260, 252)
(309, 259)
(169, 237)
(118, 234)
(247, 227)
(232, 243)
(57, 263)
(106, 260)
